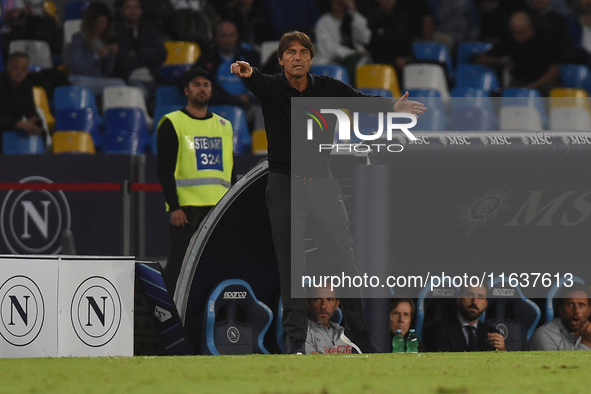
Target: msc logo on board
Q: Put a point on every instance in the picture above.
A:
(31, 221)
(22, 310)
(96, 311)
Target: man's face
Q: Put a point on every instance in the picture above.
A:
(400, 318)
(226, 37)
(17, 69)
(131, 11)
(574, 310)
(296, 60)
(322, 307)
(473, 303)
(521, 30)
(198, 91)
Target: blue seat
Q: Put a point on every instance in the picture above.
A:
(465, 50)
(125, 131)
(525, 97)
(550, 300)
(74, 97)
(472, 119)
(576, 76)
(434, 52)
(169, 96)
(430, 97)
(332, 70)
(471, 97)
(16, 142)
(476, 76)
(434, 305)
(75, 9)
(435, 119)
(236, 116)
(79, 119)
(377, 92)
(235, 320)
(512, 314)
(172, 73)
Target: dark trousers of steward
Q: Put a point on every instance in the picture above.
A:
(296, 204)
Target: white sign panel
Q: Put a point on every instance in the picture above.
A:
(95, 307)
(28, 307)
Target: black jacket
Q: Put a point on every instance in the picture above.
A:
(448, 336)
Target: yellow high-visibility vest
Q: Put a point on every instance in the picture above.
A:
(205, 158)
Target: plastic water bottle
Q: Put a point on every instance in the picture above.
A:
(398, 342)
(412, 343)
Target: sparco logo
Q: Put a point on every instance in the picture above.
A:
(96, 311)
(22, 310)
(31, 221)
(443, 292)
(503, 292)
(234, 295)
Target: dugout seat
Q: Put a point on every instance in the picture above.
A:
(434, 305)
(181, 52)
(466, 50)
(16, 142)
(576, 76)
(512, 314)
(235, 320)
(259, 142)
(73, 142)
(552, 302)
(332, 70)
(236, 116)
(380, 76)
(570, 97)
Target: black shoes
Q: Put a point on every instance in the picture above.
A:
(297, 346)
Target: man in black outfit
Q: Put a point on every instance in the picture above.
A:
(301, 192)
(17, 106)
(463, 332)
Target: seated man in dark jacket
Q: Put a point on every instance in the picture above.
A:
(463, 332)
(228, 89)
(17, 106)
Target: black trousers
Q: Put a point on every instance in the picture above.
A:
(180, 237)
(296, 204)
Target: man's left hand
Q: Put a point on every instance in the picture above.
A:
(496, 340)
(409, 106)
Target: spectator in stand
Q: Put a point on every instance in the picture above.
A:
(494, 18)
(141, 50)
(229, 89)
(463, 332)
(430, 34)
(17, 106)
(341, 36)
(41, 22)
(555, 27)
(530, 57)
(458, 19)
(394, 25)
(402, 313)
(251, 18)
(579, 24)
(571, 330)
(91, 55)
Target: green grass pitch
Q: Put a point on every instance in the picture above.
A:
(510, 372)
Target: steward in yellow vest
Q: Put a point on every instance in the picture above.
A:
(195, 163)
